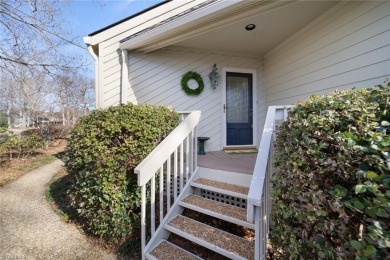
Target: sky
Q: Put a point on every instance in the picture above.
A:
(87, 16)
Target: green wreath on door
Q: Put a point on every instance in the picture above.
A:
(184, 83)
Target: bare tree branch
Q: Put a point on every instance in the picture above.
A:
(21, 62)
(34, 36)
(36, 74)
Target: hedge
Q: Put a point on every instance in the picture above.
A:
(331, 188)
(17, 146)
(103, 150)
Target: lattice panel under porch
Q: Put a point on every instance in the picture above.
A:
(171, 184)
(230, 200)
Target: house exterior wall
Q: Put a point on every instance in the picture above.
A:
(109, 69)
(348, 46)
(155, 79)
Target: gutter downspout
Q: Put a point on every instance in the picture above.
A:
(96, 59)
(125, 84)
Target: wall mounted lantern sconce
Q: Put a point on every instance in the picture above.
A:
(214, 77)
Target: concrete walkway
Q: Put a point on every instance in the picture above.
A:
(30, 229)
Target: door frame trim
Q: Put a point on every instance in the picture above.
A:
(223, 102)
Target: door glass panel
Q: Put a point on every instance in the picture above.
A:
(237, 92)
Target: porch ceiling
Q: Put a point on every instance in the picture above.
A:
(272, 28)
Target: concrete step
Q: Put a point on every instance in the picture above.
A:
(216, 209)
(221, 187)
(168, 251)
(222, 242)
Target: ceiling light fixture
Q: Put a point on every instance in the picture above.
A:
(250, 27)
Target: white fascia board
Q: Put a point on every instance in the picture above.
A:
(87, 40)
(147, 37)
(134, 22)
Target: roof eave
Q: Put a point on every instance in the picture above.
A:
(129, 17)
(122, 26)
(150, 39)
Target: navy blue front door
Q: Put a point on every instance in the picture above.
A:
(239, 109)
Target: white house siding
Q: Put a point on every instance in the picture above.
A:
(349, 46)
(110, 56)
(109, 75)
(155, 79)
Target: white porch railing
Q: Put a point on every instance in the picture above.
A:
(178, 149)
(259, 200)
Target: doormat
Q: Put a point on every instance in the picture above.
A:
(241, 151)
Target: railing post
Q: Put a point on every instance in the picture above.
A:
(153, 204)
(161, 192)
(187, 157)
(175, 175)
(257, 233)
(168, 185)
(269, 184)
(195, 146)
(191, 153)
(143, 220)
(263, 220)
(181, 166)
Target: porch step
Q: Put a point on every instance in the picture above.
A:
(168, 251)
(216, 209)
(212, 238)
(221, 187)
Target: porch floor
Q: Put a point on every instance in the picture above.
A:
(220, 160)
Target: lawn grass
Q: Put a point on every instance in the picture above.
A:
(33, 163)
(17, 167)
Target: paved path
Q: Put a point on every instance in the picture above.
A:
(30, 229)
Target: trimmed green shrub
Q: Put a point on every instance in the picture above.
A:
(103, 150)
(331, 188)
(3, 124)
(55, 132)
(20, 145)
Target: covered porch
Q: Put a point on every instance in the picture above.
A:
(238, 42)
(234, 161)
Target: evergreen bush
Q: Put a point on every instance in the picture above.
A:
(20, 146)
(103, 150)
(331, 188)
(3, 124)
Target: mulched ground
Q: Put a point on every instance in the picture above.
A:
(11, 170)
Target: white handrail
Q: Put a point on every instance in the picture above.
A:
(147, 168)
(158, 165)
(258, 202)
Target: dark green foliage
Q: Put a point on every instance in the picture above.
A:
(55, 131)
(332, 178)
(3, 123)
(16, 146)
(184, 83)
(57, 192)
(103, 150)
